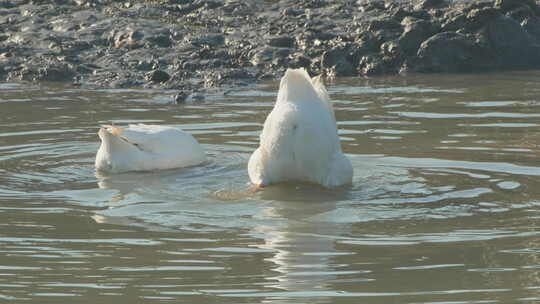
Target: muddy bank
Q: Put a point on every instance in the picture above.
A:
(191, 44)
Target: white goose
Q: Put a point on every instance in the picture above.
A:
(146, 147)
(299, 141)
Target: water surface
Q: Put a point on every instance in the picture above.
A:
(445, 205)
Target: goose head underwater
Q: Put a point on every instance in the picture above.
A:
(299, 140)
(146, 147)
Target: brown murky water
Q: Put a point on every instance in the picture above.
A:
(445, 206)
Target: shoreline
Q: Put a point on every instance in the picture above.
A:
(188, 45)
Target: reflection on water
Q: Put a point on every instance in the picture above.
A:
(444, 207)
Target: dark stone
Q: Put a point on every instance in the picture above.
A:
(85, 69)
(471, 20)
(212, 40)
(453, 52)
(339, 60)
(179, 2)
(191, 65)
(478, 4)
(414, 33)
(211, 63)
(264, 55)
(218, 42)
(314, 3)
(186, 8)
(454, 23)
(532, 26)
(160, 40)
(210, 4)
(324, 35)
(292, 12)
(61, 72)
(299, 61)
(504, 35)
(507, 5)
(400, 13)
(77, 80)
(386, 35)
(146, 64)
(125, 38)
(43, 69)
(383, 24)
(478, 17)
(429, 4)
(391, 49)
(371, 65)
(6, 4)
(180, 97)
(157, 76)
(367, 43)
(370, 5)
(281, 41)
(196, 97)
(521, 13)
(236, 73)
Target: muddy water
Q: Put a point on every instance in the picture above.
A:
(445, 206)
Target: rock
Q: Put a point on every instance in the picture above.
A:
(370, 5)
(324, 35)
(429, 4)
(145, 34)
(299, 60)
(371, 65)
(291, 12)
(453, 52)
(391, 49)
(385, 36)
(43, 69)
(6, 4)
(77, 80)
(267, 54)
(454, 23)
(232, 42)
(313, 3)
(383, 24)
(400, 13)
(478, 17)
(146, 64)
(195, 97)
(414, 33)
(478, 4)
(281, 41)
(367, 43)
(471, 20)
(57, 72)
(157, 76)
(160, 40)
(125, 38)
(521, 13)
(507, 5)
(339, 61)
(504, 34)
(180, 97)
(532, 26)
(212, 40)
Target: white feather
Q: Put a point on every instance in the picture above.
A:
(146, 147)
(299, 141)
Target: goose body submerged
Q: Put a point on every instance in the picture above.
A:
(146, 147)
(299, 141)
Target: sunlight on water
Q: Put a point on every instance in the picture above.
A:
(444, 205)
